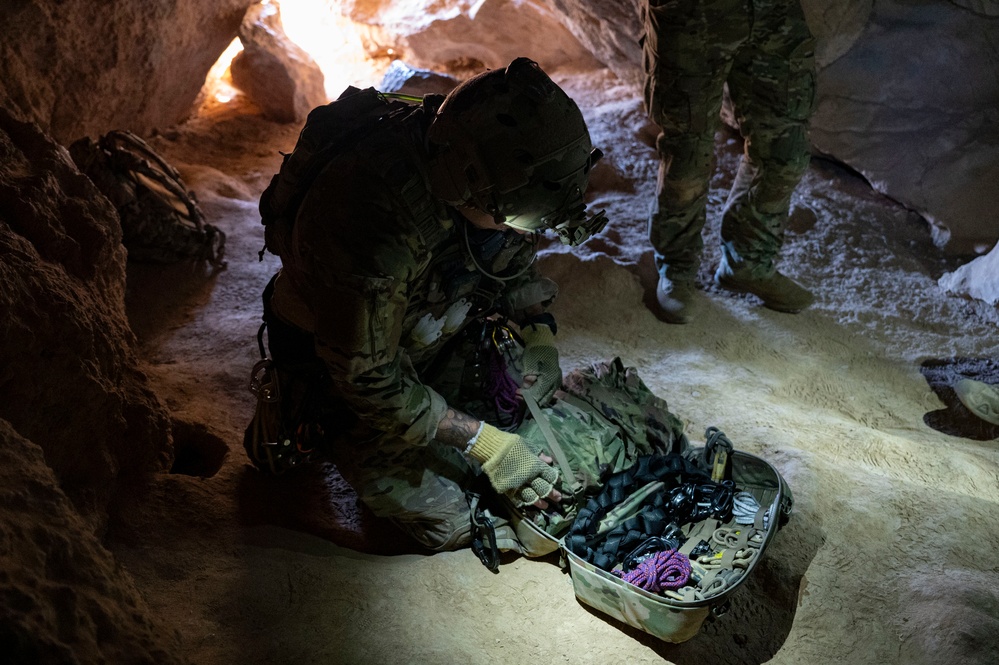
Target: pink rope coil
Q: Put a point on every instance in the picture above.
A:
(659, 571)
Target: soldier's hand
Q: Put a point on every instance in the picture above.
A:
(541, 370)
(514, 469)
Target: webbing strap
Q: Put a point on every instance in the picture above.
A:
(760, 519)
(557, 452)
(697, 533)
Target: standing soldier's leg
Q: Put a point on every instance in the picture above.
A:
(688, 50)
(772, 85)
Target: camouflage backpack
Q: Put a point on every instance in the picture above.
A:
(605, 419)
(160, 218)
(329, 130)
(654, 532)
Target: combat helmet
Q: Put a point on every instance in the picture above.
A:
(511, 143)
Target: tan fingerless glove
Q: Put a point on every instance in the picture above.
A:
(541, 359)
(512, 467)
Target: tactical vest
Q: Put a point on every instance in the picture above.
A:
(452, 277)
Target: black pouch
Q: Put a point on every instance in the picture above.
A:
(296, 417)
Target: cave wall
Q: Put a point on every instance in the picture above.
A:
(79, 68)
(80, 429)
(69, 377)
(63, 597)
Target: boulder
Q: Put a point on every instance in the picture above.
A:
(83, 68)
(275, 73)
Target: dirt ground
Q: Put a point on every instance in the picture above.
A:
(889, 556)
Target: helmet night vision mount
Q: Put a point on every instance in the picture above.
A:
(511, 143)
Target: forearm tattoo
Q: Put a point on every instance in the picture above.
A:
(456, 428)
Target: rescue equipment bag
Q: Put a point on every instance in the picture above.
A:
(160, 218)
(653, 531)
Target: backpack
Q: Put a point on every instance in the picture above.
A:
(607, 418)
(160, 218)
(653, 531)
(329, 131)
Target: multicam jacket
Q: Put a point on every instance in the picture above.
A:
(384, 275)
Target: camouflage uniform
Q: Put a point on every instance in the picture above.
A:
(378, 277)
(763, 50)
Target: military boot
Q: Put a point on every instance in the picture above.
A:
(676, 299)
(778, 292)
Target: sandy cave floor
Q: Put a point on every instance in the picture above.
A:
(888, 557)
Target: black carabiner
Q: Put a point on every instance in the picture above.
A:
(483, 525)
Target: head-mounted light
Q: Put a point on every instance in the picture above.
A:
(569, 220)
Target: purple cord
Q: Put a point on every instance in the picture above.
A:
(659, 571)
(501, 387)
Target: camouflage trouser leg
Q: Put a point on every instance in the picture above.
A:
(772, 84)
(689, 47)
(421, 490)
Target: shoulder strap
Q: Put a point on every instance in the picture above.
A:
(557, 452)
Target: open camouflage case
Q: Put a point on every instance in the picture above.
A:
(632, 474)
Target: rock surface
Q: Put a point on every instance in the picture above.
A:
(977, 279)
(278, 76)
(70, 381)
(84, 68)
(455, 35)
(63, 597)
(911, 106)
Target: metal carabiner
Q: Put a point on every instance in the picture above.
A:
(264, 381)
(482, 524)
(717, 451)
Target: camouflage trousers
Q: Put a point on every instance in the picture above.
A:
(422, 490)
(764, 52)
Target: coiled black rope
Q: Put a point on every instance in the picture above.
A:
(687, 495)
